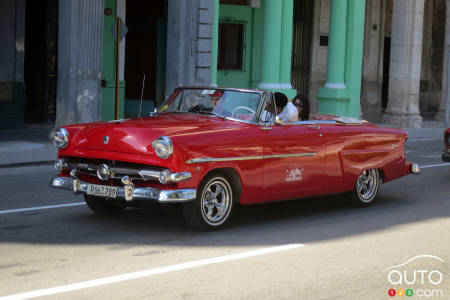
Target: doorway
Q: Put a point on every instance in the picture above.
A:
(301, 45)
(41, 50)
(145, 55)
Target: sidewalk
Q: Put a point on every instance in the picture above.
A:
(28, 146)
(32, 145)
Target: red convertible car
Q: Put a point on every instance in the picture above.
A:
(212, 149)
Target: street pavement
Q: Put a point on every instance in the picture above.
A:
(317, 248)
(26, 146)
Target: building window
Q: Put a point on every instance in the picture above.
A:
(231, 46)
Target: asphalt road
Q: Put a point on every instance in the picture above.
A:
(318, 248)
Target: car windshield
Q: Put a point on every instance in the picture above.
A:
(224, 103)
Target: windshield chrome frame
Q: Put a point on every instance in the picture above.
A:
(262, 95)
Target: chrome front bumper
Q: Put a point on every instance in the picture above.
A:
(151, 194)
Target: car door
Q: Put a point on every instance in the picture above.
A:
(294, 160)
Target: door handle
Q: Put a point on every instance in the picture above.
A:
(314, 127)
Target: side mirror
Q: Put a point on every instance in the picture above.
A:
(278, 120)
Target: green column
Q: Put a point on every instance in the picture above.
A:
(354, 55)
(286, 42)
(286, 45)
(270, 63)
(341, 94)
(215, 44)
(336, 44)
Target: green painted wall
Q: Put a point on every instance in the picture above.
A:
(258, 19)
(108, 69)
(250, 76)
(346, 102)
(238, 78)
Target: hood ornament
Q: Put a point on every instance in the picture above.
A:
(105, 139)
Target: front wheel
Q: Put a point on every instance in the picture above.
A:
(213, 207)
(366, 188)
(103, 205)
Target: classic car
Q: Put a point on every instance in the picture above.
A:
(446, 151)
(211, 156)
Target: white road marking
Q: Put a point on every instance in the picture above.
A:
(433, 166)
(40, 208)
(149, 272)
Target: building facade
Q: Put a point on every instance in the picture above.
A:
(405, 53)
(384, 60)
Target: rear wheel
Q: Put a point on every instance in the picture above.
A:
(366, 188)
(103, 205)
(213, 207)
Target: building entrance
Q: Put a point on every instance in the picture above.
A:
(41, 48)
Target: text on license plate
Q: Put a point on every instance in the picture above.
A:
(102, 190)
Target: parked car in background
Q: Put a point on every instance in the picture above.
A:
(210, 156)
(446, 151)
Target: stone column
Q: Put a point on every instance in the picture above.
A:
(189, 43)
(336, 45)
(406, 55)
(445, 95)
(270, 64)
(80, 48)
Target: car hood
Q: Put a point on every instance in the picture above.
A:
(135, 136)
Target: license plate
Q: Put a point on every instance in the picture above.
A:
(102, 190)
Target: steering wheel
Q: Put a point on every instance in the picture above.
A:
(241, 107)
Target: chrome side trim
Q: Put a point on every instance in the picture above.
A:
(151, 194)
(209, 159)
(258, 157)
(289, 155)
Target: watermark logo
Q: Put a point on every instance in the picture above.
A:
(410, 280)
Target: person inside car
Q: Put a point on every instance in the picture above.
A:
(215, 98)
(285, 109)
(302, 103)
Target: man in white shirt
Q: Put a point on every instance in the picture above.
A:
(285, 109)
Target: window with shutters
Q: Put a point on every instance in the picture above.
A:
(231, 46)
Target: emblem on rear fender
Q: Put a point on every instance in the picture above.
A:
(105, 139)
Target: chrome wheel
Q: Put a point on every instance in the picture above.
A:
(367, 185)
(366, 188)
(216, 201)
(213, 207)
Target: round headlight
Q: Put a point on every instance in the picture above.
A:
(61, 138)
(103, 172)
(163, 146)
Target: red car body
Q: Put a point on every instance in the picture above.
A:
(264, 162)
